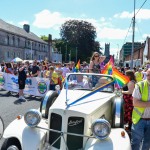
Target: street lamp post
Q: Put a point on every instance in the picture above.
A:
(76, 54)
(66, 53)
(70, 56)
(133, 28)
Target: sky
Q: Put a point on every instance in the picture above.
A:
(111, 18)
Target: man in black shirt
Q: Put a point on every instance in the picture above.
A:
(35, 69)
(22, 79)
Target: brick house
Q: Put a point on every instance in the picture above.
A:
(141, 54)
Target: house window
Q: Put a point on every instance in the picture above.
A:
(28, 43)
(43, 47)
(8, 54)
(39, 57)
(8, 40)
(18, 42)
(13, 41)
(39, 46)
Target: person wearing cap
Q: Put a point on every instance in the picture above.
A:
(140, 133)
(139, 75)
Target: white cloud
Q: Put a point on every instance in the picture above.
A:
(23, 22)
(112, 33)
(145, 36)
(142, 14)
(124, 14)
(46, 19)
(102, 19)
(114, 51)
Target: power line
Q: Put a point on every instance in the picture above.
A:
(127, 32)
(139, 30)
(141, 7)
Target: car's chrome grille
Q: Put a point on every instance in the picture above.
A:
(56, 124)
(75, 125)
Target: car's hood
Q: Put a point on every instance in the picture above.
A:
(86, 105)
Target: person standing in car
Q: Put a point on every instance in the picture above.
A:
(35, 69)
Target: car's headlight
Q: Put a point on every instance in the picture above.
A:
(101, 128)
(32, 118)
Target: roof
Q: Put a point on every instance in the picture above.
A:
(19, 31)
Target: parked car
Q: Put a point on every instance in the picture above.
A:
(86, 115)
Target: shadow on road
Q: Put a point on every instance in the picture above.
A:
(28, 98)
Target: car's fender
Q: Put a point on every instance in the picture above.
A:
(114, 142)
(30, 138)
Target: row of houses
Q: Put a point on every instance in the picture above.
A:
(141, 54)
(22, 43)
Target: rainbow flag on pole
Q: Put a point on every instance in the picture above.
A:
(108, 67)
(120, 79)
(77, 67)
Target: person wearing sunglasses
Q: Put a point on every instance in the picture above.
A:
(95, 62)
(140, 133)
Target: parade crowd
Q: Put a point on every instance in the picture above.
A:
(135, 93)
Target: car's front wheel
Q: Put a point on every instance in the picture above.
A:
(11, 144)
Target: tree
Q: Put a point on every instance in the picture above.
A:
(80, 35)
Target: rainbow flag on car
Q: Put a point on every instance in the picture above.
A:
(120, 79)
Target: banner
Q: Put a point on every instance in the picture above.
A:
(34, 85)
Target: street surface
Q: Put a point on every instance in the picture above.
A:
(11, 107)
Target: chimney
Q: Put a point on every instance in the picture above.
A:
(49, 38)
(26, 27)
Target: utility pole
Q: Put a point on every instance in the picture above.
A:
(133, 28)
(76, 54)
(70, 56)
(66, 53)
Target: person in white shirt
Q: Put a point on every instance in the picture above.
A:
(80, 82)
(144, 73)
(65, 70)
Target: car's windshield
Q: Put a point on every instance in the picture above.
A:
(88, 82)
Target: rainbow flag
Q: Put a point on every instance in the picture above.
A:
(108, 67)
(120, 79)
(77, 67)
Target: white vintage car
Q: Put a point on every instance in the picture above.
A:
(86, 115)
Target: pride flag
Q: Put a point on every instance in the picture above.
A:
(120, 79)
(108, 67)
(77, 67)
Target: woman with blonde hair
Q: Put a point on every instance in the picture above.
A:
(95, 62)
